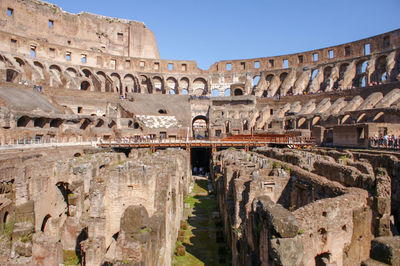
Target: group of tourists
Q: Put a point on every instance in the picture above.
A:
(385, 141)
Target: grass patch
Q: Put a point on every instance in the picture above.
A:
(70, 258)
(26, 237)
(8, 229)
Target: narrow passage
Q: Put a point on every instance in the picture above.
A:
(202, 234)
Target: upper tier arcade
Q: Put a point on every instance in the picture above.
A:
(42, 45)
(44, 23)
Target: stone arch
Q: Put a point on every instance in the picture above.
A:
(72, 72)
(85, 85)
(184, 85)
(379, 117)
(345, 118)
(158, 84)
(116, 83)
(20, 61)
(342, 69)
(44, 227)
(200, 86)
(238, 92)
(227, 92)
(23, 121)
(361, 118)
(40, 122)
(245, 125)
(327, 74)
(56, 122)
(6, 219)
(86, 72)
(105, 82)
(129, 83)
(316, 121)
(99, 123)
(172, 85)
(301, 122)
(380, 69)
(227, 126)
(256, 80)
(215, 93)
(38, 64)
(145, 84)
(11, 75)
(55, 67)
(200, 126)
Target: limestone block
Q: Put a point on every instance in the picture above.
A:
(386, 250)
(286, 251)
(281, 222)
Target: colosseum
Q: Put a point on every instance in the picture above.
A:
(113, 156)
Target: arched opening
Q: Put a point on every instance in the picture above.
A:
(11, 75)
(199, 87)
(184, 85)
(6, 219)
(145, 84)
(112, 124)
(23, 121)
(56, 122)
(361, 118)
(44, 223)
(172, 84)
(380, 69)
(72, 72)
(40, 122)
(323, 259)
(85, 124)
(379, 117)
(227, 127)
(116, 81)
(283, 76)
(86, 72)
(136, 125)
(100, 123)
(215, 93)
(19, 61)
(38, 64)
(200, 127)
(55, 68)
(129, 83)
(313, 74)
(185, 92)
(256, 80)
(84, 85)
(345, 118)
(227, 92)
(316, 120)
(245, 125)
(238, 92)
(162, 111)
(158, 85)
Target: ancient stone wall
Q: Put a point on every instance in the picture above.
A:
(279, 214)
(97, 207)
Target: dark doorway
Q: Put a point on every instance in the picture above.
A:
(200, 158)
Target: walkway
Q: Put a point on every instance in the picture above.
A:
(204, 237)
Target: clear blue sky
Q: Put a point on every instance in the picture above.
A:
(211, 30)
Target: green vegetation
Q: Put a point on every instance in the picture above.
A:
(70, 258)
(301, 231)
(144, 230)
(237, 231)
(344, 159)
(276, 165)
(200, 242)
(8, 229)
(26, 237)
